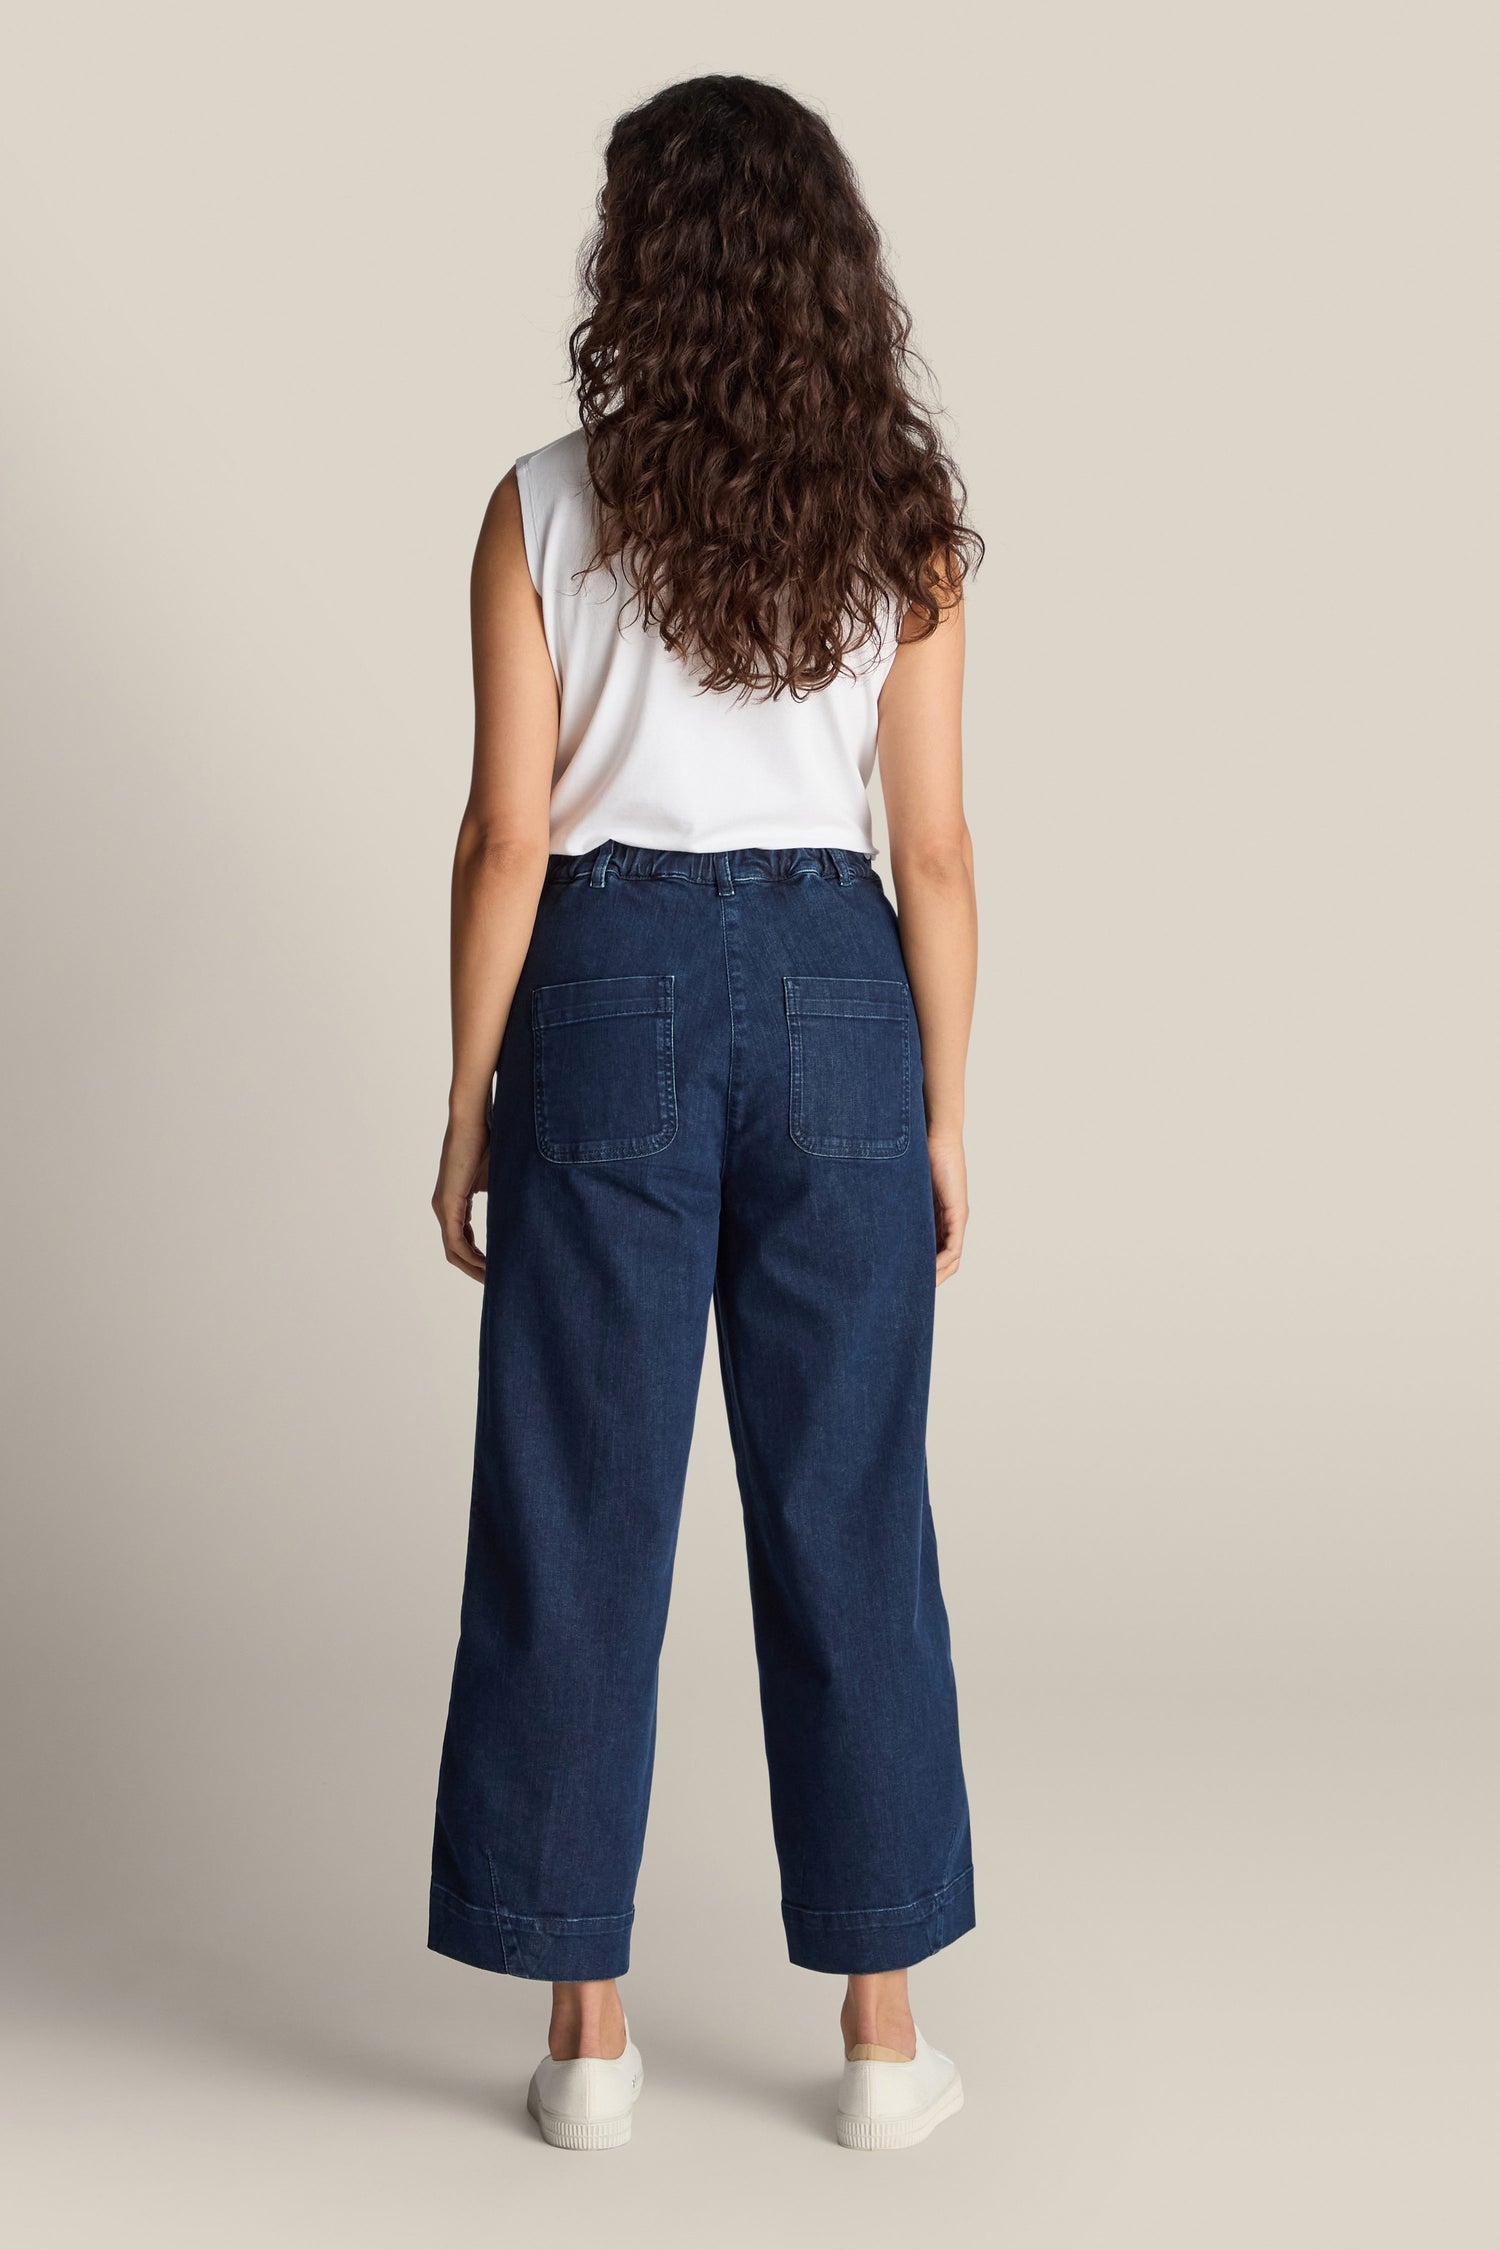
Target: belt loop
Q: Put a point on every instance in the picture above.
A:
(723, 880)
(600, 868)
(841, 862)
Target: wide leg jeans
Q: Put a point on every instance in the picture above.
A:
(709, 1094)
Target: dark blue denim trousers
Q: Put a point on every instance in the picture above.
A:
(709, 1093)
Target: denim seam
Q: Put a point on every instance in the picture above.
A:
(550, 1925)
(457, 1905)
(618, 875)
(622, 875)
(833, 1919)
(569, 1925)
(736, 1419)
(729, 996)
(489, 1861)
(595, 1006)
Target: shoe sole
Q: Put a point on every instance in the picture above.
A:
(900, 2132)
(578, 2132)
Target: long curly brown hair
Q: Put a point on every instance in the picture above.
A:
(765, 472)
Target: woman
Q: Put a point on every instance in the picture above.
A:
(692, 619)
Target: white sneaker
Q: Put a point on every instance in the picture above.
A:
(896, 2104)
(587, 2103)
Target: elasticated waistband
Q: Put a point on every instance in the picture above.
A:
(789, 864)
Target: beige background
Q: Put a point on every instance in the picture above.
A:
(1209, 290)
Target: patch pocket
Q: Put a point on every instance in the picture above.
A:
(604, 1079)
(850, 1041)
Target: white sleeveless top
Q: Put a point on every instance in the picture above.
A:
(644, 756)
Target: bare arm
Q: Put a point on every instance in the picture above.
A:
(501, 859)
(932, 862)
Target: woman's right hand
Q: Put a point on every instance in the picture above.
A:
(950, 1202)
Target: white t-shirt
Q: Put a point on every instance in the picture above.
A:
(644, 756)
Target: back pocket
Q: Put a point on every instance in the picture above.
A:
(851, 1065)
(604, 1080)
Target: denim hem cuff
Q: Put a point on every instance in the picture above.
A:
(866, 1941)
(557, 1948)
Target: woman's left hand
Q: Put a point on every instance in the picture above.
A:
(463, 1171)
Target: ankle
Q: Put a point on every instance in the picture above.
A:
(588, 2021)
(877, 2013)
